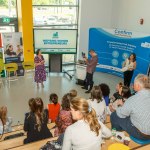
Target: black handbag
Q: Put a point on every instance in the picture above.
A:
(14, 136)
(51, 145)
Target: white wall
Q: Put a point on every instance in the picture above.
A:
(93, 13)
(127, 14)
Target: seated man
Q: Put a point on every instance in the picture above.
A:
(134, 115)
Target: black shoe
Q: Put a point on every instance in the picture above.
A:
(88, 91)
(83, 87)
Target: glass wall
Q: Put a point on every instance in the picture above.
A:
(56, 14)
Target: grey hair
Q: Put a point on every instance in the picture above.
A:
(143, 80)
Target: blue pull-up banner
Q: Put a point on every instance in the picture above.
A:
(114, 46)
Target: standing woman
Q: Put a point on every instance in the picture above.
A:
(40, 73)
(129, 66)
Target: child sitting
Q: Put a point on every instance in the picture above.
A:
(53, 107)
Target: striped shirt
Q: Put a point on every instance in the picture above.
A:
(137, 108)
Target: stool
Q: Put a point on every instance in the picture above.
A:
(118, 146)
(28, 65)
(11, 67)
(141, 142)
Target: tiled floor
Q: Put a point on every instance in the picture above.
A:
(16, 97)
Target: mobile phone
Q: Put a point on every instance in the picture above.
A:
(83, 55)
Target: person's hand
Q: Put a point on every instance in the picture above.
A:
(120, 102)
(111, 107)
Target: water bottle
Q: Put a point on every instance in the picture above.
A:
(113, 131)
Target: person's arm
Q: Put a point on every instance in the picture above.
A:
(91, 62)
(67, 140)
(106, 133)
(125, 110)
(134, 65)
(37, 63)
(26, 122)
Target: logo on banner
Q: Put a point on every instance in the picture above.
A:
(55, 35)
(145, 45)
(123, 33)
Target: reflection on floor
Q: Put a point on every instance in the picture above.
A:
(16, 97)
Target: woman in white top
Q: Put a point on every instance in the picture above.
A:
(128, 68)
(87, 132)
(5, 123)
(97, 102)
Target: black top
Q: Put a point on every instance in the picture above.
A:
(30, 127)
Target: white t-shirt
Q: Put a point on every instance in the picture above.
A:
(100, 108)
(78, 136)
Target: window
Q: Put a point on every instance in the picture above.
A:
(56, 14)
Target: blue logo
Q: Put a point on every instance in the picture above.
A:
(114, 62)
(115, 54)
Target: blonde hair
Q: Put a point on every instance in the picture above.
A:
(88, 113)
(73, 93)
(143, 80)
(3, 114)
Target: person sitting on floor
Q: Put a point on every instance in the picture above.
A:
(86, 133)
(105, 92)
(124, 93)
(6, 122)
(64, 118)
(53, 107)
(97, 102)
(35, 123)
(134, 115)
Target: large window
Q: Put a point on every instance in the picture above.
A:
(56, 14)
(8, 8)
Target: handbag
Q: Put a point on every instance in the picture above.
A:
(51, 145)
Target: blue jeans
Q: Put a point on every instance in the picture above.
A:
(125, 124)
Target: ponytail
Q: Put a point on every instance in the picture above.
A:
(91, 119)
(89, 114)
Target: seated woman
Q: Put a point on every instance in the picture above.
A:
(124, 93)
(64, 118)
(53, 107)
(97, 102)
(5, 123)
(116, 95)
(35, 123)
(86, 133)
(105, 92)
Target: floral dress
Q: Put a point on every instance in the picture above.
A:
(40, 73)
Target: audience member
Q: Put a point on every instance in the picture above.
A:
(98, 103)
(86, 133)
(5, 124)
(134, 115)
(116, 95)
(35, 123)
(105, 92)
(64, 118)
(73, 93)
(53, 107)
(123, 94)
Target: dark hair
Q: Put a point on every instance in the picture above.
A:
(38, 110)
(125, 92)
(30, 103)
(37, 52)
(91, 50)
(134, 55)
(65, 104)
(105, 89)
(96, 93)
(53, 98)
